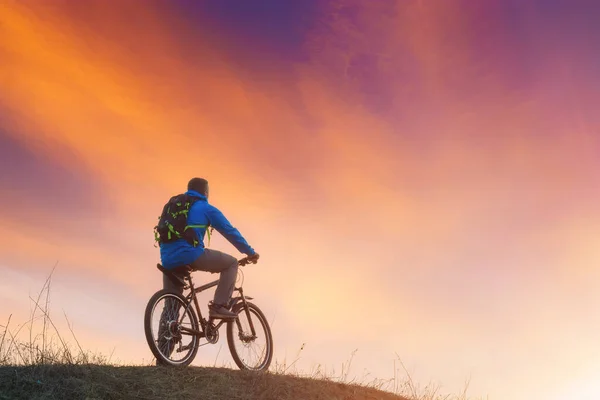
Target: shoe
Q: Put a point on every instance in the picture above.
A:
(220, 311)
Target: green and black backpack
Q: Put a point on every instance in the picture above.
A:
(172, 223)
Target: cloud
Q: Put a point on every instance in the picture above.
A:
(418, 165)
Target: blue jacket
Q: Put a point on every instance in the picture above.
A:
(180, 252)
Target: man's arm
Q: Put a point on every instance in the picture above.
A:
(224, 227)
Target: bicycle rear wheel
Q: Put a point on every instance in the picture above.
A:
(251, 351)
(165, 314)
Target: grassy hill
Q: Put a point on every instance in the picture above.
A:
(37, 362)
(93, 381)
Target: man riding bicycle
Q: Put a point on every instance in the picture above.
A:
(178, 254)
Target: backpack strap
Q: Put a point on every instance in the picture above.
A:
(208, 231)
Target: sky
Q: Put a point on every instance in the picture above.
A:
(421, 178)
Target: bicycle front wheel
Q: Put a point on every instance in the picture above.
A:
(249, 338)
(166, 314)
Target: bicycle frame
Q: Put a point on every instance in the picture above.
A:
(204, 324)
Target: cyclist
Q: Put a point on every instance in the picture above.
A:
(177, 254)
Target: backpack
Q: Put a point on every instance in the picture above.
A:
(172, 223)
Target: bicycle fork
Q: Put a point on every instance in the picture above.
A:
(247, 310)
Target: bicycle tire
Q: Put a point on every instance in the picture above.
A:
(239, 308)
(148, 329)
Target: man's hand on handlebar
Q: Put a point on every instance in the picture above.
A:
(253, 259)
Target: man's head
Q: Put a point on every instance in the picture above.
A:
(199, 185)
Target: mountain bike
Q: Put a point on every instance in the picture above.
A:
(177, 339)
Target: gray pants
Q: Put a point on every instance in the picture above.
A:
(213, 261)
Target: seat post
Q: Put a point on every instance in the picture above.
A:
(189, 279)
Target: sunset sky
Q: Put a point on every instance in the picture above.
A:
(421, 178)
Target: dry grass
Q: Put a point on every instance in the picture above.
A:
(91, 381)
(46, 365)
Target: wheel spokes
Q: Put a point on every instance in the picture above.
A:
(170, 315)
(251, 349)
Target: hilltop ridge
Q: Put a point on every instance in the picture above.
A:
(92, 381)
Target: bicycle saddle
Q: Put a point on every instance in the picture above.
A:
(177, 273)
